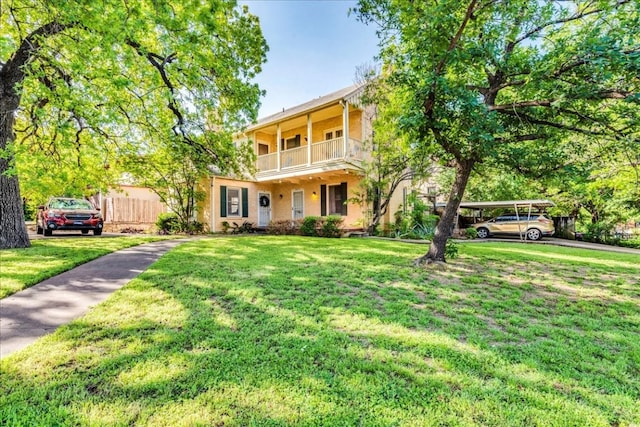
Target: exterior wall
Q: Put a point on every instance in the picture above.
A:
(281, 207)
(397, 202)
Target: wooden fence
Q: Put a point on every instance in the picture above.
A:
(122, 212)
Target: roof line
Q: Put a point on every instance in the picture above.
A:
(342, 94)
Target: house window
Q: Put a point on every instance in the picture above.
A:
(263, 149)
(333, 199)
(333, 133)
(289, 143)
(233, 202)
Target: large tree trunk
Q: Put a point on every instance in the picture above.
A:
(13, 230)
(444, 228)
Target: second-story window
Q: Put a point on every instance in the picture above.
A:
(289, 143)
(333, 133)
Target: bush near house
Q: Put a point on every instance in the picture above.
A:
(471, 233)
(168, 223)
(313, 226)
(309, 226)
(331, 226)
(284, 227)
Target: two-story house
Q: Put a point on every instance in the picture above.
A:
(309, 162)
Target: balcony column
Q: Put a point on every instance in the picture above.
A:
(309, 132)
(278, 138)
(345, 126)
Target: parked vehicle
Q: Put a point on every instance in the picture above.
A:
(532, 227)
(63, 213)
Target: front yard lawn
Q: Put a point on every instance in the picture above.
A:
(342, 332)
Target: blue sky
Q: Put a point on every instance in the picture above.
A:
(314, 49)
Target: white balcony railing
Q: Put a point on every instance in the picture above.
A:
(321, 152)
(293, 157)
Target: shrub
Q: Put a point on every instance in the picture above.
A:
(225, 227)
(631, 243)
(283, 227)
(131, 230)
(309, 226)
(194, 227)
(168, 223)
(245, 227)
(451, 250)
(471, 233)
(331, 226)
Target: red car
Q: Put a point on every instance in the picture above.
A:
(62, 213)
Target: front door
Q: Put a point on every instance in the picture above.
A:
(297, 204)
(264, 209)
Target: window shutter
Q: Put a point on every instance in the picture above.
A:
(223, 201)
(343, 192)
(245, 203)
(323, 200)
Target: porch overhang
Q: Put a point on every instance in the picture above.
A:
(301, 172)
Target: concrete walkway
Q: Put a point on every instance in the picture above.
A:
(40, 309)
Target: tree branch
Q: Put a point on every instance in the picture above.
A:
(577, 15)
(431, 98)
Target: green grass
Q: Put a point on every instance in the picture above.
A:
(21, 268)
(275, 331)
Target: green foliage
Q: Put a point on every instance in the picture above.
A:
(471, 233)
(298, 331)
(244, 228)
(630, 243)
(309, 226)
(330, 226)
(225, 227)
(283, 227)
(451, 250)
(168, 223)
(414, 222)
(537, 87)
(193, 227)
(99, 87)
(393, 160)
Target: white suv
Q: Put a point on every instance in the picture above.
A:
(532, 227)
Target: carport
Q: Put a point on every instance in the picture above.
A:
(520, 207)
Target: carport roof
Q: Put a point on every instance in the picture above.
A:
(507, 204)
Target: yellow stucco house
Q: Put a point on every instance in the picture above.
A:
(309, 162)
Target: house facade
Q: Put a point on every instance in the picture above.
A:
(309, 162)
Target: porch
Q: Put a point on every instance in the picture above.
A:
(309, 156)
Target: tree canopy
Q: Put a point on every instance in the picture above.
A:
(85, 83)
(532, 83)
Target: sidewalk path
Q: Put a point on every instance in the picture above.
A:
(40, 309)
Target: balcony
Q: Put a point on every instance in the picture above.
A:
(305, 159)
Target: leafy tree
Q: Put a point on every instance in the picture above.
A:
(523, 79)
(392, 160)
(107, 77)
(174, 172)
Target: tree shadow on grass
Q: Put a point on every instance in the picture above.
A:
(219, 333)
